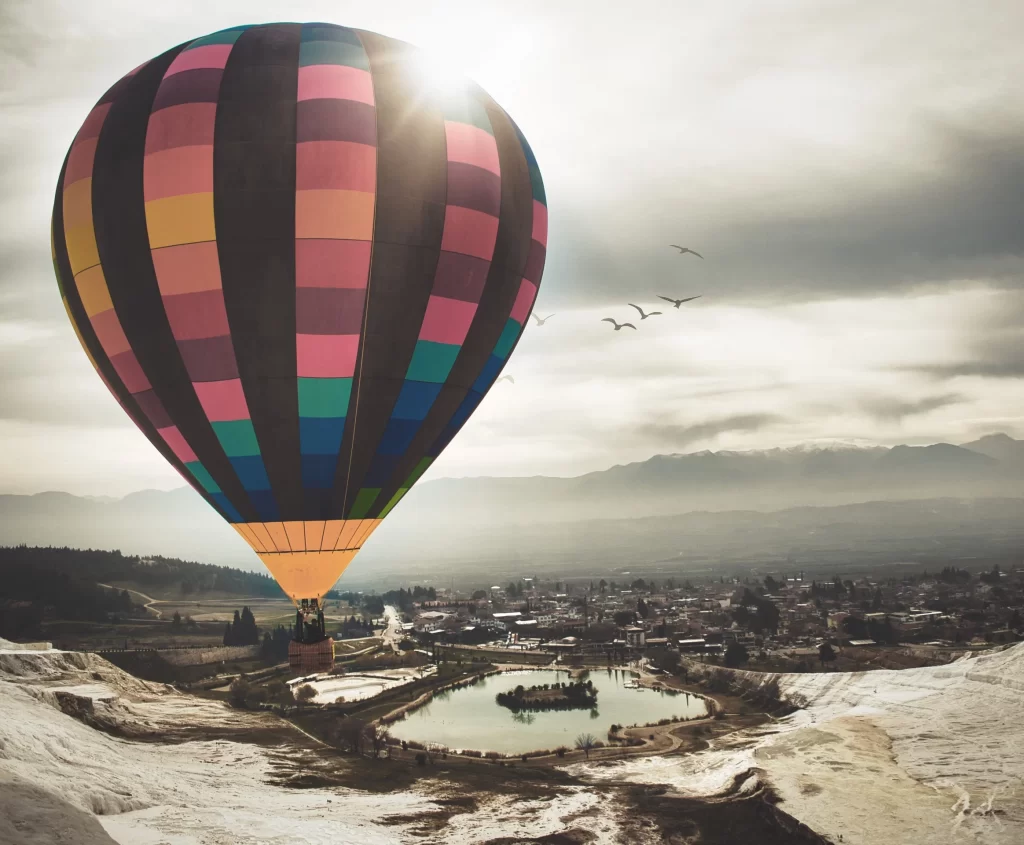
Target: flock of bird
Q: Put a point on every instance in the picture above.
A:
(617, 326)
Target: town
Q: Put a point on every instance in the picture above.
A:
(784, 622)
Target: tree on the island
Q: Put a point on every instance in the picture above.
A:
(735, 655)
(176, 619)
(826, 654)
(305, 694)
(585, 742)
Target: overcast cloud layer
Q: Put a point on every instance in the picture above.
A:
(853, 178)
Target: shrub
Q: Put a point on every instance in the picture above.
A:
(239, 691)
(524, 758)
(560, 751)
(305, 694)
(492, 755)
(421, 759)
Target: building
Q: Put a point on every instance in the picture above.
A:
(635, 637)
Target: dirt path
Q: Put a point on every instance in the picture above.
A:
(149, 600)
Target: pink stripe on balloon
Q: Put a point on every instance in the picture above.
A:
(223, 401)
(127, 366)
(93, 123)
(109, 333)
(179, 170)
(174, 439)
(194, 316)
(324, 263)
(447, 320)
(335, 82)
(211, 55)
(540, 222)
(80, 161)
(471, 145)
(342, 165)
(524, 301)
(187, 268)
(469, 232)
(326, 356)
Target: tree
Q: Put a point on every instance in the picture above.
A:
(350, 735)
(770, 584)
(585, 742)
(478, 595)
(624, 617)
(826, 654)
(602, 585)
(176, 619)
(305, 694)
(377, 735)
(642, 608)
(735, 655)
(228, 639)
(239, 692)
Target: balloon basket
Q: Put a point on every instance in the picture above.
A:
(311, 657)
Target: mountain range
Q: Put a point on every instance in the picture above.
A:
(632, 510)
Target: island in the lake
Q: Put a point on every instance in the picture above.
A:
(581, 695)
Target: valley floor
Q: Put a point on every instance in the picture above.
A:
(89, 754)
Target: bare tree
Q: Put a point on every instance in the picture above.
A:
(350, 735)
(377, 735)
(585, 742)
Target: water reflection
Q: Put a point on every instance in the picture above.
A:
(470, 718)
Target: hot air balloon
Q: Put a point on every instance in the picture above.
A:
(299, 270)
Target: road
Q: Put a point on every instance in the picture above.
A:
(392, 635)
(149, 600)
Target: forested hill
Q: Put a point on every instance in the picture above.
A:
(20, 566)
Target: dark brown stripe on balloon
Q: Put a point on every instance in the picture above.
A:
(84, 326)
(329, 310)
(473, 187)
(499, 295)
(254, 213)
(336, 120)
(190, 86)
(408, 226)
(209, 358)
(123, 243)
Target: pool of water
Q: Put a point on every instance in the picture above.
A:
(469, 718)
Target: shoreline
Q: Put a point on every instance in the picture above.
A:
(677, 736)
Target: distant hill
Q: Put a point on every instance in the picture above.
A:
(514, 519)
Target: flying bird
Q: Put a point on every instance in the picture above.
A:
(643, 316)
(685, 249)
(678, 302)
(509, 378)
(618, 326)
(541, 322)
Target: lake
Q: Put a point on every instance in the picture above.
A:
(469, 718)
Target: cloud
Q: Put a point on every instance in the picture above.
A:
(679, 435)
(891, 408)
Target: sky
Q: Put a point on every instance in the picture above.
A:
(852, 177)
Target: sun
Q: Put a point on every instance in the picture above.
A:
(439, 75)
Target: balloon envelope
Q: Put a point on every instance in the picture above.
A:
(298, 270)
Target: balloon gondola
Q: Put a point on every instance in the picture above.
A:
(299, 269)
